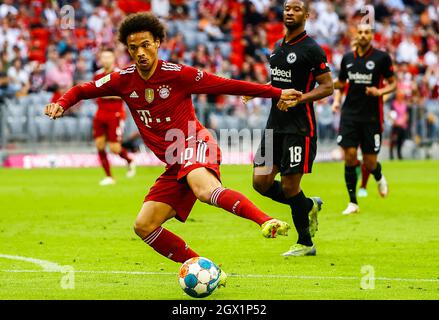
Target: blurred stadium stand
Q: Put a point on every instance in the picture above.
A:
(232, 38)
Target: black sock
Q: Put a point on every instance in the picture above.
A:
(300, 207)
(350, 176)
(377, 172)
(275, 192)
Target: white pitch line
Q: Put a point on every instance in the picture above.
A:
(280, 276)
(47, 266)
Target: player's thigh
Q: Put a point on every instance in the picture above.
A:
(100, 142)
(268, 155)
(349, 134)
(151, 216)
(99, 131)
(371, 135)
(291, 184)
(202, 182)
(115, 129)
(298, 154)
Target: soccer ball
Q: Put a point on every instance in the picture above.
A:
(199, 277)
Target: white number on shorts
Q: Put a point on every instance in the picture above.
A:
(188, 153)
(377, 142)
(296, 154)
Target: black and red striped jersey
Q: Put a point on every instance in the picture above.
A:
(364, 71)
(296, 64)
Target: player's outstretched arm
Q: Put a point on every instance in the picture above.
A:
(246, 99)
(201, 82)
(325, 88)
(104, 87)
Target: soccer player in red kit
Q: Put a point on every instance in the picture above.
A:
(109, 121)
(158, 94)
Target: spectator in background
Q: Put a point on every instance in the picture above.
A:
(37, 78)
(325, 120)
(179, 9)
(177, 46)
(160, 8)
(7, 8)
(4, 80)
(407, 51)
(399, 119)
(18, 79)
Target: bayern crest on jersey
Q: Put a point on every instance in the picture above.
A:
(164, 91)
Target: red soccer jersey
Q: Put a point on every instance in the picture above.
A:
(163, 102)
(108, 107)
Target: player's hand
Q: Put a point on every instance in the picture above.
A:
(246, 99)
(290, 95)
(335, 107)
(289, 99)
(284, 105)
(53, 111)
(373, 91)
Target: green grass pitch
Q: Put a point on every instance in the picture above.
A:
(63, 216)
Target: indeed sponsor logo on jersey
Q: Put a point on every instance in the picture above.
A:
(281, 75)
(360, 78)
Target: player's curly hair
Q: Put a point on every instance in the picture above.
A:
(139, 22)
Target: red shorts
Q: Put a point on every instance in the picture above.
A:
(171, 187)
(110, 127)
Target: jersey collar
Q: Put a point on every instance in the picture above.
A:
(296, 39)
(368, 52)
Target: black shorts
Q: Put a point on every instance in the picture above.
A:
(354, 134)
(290, 152)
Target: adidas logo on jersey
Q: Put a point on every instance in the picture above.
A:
(134, 94)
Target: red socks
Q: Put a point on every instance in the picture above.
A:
(238, 204)
(124, 155)
(104, 162)
(169, 245)
(173, 247)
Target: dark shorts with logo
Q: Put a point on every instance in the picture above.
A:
(366, 135)
(291, 153)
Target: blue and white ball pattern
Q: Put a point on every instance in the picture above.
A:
(199, 277)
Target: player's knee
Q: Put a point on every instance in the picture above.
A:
(350, 159)
(260, 185)
(143, 229)
(115, 148)
(290, 189)
(370, 164)
(203, 195)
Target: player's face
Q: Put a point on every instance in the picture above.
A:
(295, 14)
(143, 49)
(107, 59)
(364, 35)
